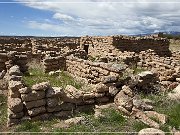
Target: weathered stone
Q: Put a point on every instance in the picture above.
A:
(40, 86)
(13, 115)
(109, 79)
(175, 94)
(52, 102)
(113, 90)
(122, 99)
(36, 111)
(67, 106)
(32, 96)
(162, 118)
(102, 99)
(15, 104)
(144, 118)
(73, 121)
(25, 90)
(2, 74)
(15, 71)
(151, 131)
(15, 85)
(14, 94)
(139, 104)
(12, 122)
(35, 104)
(100, 87)
(88, 96)
(14, 78)
(97, 95)
(43, 117)
(54, 91)
(74, 92)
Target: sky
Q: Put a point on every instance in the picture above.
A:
(88, 17)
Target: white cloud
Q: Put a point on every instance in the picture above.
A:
(63, 17)
(108, 16)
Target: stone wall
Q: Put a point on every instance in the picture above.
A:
(54, 63)
(42, 101)
(7, 60)
(101, 46)
(15, 44)
(168, 68)
(94, 72)
(63, 44)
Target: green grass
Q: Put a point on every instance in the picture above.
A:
(168, 107)
(112, 121)
(28, 126)
(138, 125)
(138, 70)
(62, 80)
(3, 112)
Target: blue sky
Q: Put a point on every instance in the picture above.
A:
(88, 17)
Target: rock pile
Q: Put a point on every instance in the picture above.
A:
(131, 105)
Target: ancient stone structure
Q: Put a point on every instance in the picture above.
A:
(15, 44)
(94, 72)
(113, 56)
(101, 46)
(42, 101)
(7, 60)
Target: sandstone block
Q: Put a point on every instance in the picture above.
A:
(54, 91)
(15, 104)
(35, 104)
(32, 96)
(36, 111)
(40, 86)
(15, 85)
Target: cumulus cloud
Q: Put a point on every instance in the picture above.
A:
(107, 17)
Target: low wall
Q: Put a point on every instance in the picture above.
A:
(54, 63)
(94, 72)
(7, 60)
(168, 68)
(42, 101)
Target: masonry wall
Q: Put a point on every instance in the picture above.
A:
(15, 44)
(168, 68)
(102, 46)
(63, 44)
(42, 101)
(7, 60)
(94, 72)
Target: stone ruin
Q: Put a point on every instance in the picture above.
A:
(114, 55)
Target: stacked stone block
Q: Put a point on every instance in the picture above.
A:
(166, 67)
(54, 63)
(94, 72)
(42, 101)
(15, 105)
(102, 46)
(15, 44)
